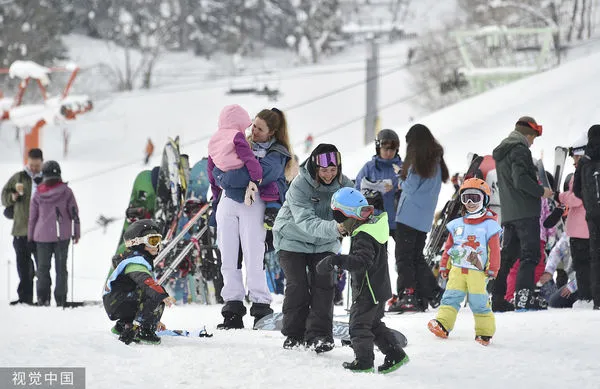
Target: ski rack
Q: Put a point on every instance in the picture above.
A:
(164, 252)
(173, 265)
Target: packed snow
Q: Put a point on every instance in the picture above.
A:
(530, 350)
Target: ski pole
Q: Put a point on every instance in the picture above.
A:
(8, 280)
(74, 221)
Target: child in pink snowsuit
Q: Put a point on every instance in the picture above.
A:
(228, 149)
(545, 234)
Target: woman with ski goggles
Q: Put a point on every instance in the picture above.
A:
(304, 233)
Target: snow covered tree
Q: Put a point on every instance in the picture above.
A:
(316, 21)
(30, 29)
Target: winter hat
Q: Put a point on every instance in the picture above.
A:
(592, 149)
(525, 123)
(578, 147)
(594, 132)
(322, 148)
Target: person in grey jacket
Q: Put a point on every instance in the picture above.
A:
(520, 196)
(304, 233)
(53, 221)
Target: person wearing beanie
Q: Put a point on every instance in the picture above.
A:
(520, 195)
(53, 215)
(16, 198)
(304, 233)
(586, 184)
(421, 177)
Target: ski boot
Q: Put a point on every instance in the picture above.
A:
(393, 361)
(260, 310)
(436, 299)
(409, 301)
(359, 367)
(483, 340)
(321, 344)
(118, 327)
(501, 305)
(129, 333)
(394, 305)
(231, 321)
(437, 329)
(147, 334)
(292, 342)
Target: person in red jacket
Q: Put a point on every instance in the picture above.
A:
(473, 248)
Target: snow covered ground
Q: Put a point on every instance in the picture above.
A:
(553, 349)
(531, 350)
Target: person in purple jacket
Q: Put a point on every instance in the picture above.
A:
(53, 221)
(240, 228)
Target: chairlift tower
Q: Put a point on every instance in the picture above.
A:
(495, 55)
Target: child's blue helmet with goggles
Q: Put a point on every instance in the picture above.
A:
(350, 203)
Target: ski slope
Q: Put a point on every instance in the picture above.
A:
(530, 350)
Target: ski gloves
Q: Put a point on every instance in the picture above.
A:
(251, 193)
(326, 264)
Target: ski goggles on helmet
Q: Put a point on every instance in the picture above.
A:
(152, 240)
(537, 127)
(327, 159)
(474, 196)
(362, 213)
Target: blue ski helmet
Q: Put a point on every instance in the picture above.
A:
(351, 203)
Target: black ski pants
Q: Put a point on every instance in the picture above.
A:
(594, 227)
(134, 305)
(412, 269)
(24, 250)
(580, 253)
(308, 296)
(521, 239)
(45, 250)
(367, 330)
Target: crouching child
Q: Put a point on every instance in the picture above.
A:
(131, 294)
(371, 287)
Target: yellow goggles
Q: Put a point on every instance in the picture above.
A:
(152, 240)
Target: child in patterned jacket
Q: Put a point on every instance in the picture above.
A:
(473, 248)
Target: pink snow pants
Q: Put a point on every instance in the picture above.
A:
(511, 280)
(238, 224)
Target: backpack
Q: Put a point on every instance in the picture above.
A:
(590, 187)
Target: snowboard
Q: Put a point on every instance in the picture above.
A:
(198, 184)
(141, 203)
(341, 330)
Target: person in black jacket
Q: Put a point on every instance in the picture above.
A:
(371, 287)
(586, 182)
(520, 196)
(131, 294)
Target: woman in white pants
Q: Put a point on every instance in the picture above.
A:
(241, 226)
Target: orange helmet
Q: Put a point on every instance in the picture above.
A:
(479, 184)
(476, 183)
